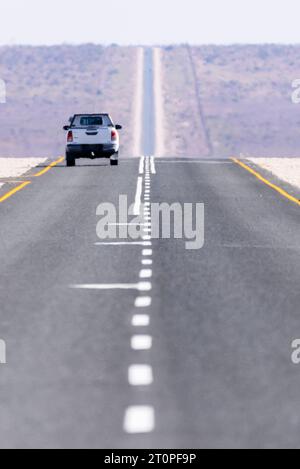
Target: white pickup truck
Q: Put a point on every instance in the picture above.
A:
(92, 136)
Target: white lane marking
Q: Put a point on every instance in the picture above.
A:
(147, 230)
(147, 252)
(139, 420)
(145, 286)
(147, 262)
(141, 286)
(147, 218)
(125, 243)
(143, 302)
(147, 237)
(138, 195)
(141, 168)
(125, 224)
(141, 320)
(146, 273)
(152, 163)
(210, 162)
(140, 375)
(141, 342)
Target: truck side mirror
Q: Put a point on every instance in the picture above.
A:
(66, 127)
(119, 127)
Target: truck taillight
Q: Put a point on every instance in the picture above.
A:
(114, 135)
(70, 136)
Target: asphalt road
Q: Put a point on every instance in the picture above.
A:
(222, 318)
(217, 368)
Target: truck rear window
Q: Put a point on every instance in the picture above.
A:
(92, 121)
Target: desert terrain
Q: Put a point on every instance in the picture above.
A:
(232, 101)
(46, 85)
(217, 101)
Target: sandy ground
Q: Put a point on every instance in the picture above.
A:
(15, 167)
(287, 169)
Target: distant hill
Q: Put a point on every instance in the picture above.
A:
(245, 96)
(45, 85)
(219, 101)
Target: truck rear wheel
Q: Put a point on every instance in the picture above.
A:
(70, 160)
(114, 160)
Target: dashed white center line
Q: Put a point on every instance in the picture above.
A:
(142, 162)
(141, 286)
(152, 163)
(137, 203)
(143, 302)
(146, 273)
(140, 320)
(147, 262)
(141, 342)
(140, 375)
(139, 420)
(124, 243)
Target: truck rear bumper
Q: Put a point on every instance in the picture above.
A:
(93, 151)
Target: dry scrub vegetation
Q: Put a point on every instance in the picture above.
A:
(245, 96)
(45, 85)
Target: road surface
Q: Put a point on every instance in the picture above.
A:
(216, 326)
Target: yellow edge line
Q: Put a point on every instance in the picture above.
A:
(13, 191)
(24, 184)
(265, 181)
(55, 163)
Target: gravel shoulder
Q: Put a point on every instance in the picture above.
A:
(15, 167)
(286, 169)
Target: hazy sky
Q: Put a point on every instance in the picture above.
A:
(149, 21)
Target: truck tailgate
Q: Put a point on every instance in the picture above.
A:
(91, 136)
